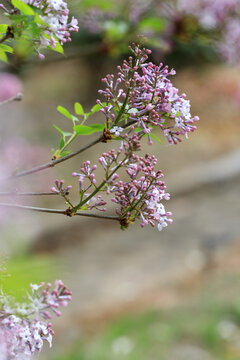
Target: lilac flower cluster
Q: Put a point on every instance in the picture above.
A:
(21, 332)
(142, 196)
(55, 16)
(138, 197)
(60, 189)
(87, 173)
(149, 98)
(139, 99)
(19, 337)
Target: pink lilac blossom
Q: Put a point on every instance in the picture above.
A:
(140, 98)
(23, 338)
(87, 174)
(22, 334)
(55, 15)
(141, 196)
(60, 189)
(150, 98)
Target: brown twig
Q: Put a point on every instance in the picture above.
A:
(52, 163)
(9, 35)
(15, 193)
(56, 211)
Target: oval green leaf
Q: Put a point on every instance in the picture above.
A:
(23, 7)
(78, 109)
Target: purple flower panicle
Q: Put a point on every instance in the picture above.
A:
(143, 94)
(22, 333)
(142, 194)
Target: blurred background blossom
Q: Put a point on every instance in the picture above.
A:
(10, 86)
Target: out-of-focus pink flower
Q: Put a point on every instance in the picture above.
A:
(10, 86)
(237, 95)
(229, 45)
(16, 154)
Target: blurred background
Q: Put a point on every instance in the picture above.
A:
(138, 294)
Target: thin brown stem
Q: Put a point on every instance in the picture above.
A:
(8, 35)
(56, 211)
(4, 38)
(77, 207)
(15, 193)
(52, 163)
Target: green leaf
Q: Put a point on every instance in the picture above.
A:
(105, 5)
(156, 138)
(78, 109)
(88, 130)
(154, 23)
(3, 28)
(82, 130)
(96, 108)
(64, 133)
(97, 127)
(6, 48)
(84, 207)
(66, 113)
(3, 56)
(58, 48)
(39, 20)
(115, 30)
(133, 111)
(65, 152)
(136, 129)
(62, 143)
(23, 7)
(23, 47)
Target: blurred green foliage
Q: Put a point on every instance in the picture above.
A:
(24, 270)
